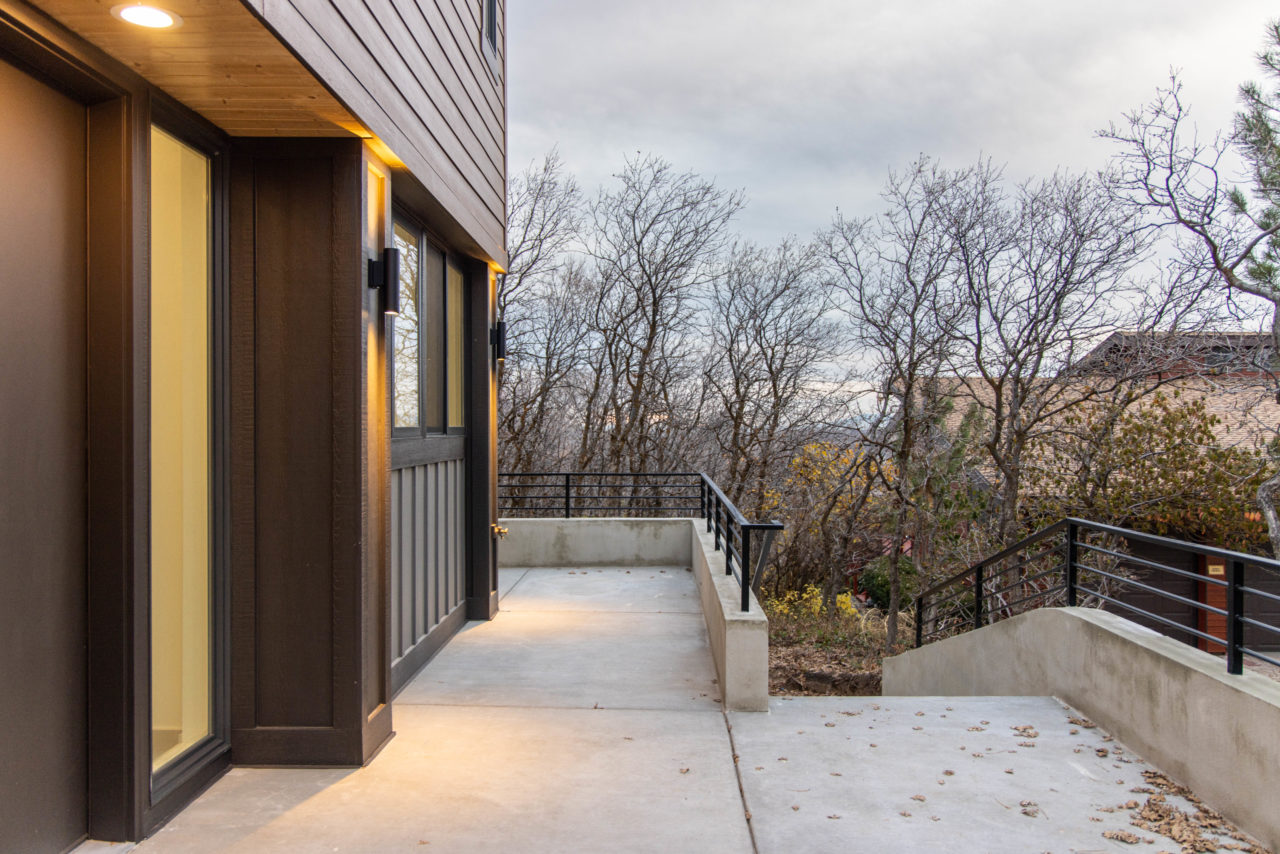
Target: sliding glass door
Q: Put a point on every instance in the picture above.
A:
(182, 673)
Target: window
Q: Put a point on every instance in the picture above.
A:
(491, 25)
(489, 36)
(407, 376)
(427, 360)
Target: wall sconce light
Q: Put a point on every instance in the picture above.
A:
(498, 340)
(384, 274)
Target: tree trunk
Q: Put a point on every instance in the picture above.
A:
(895, 581)
(1267, 494)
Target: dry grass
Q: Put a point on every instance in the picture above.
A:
(827, 648)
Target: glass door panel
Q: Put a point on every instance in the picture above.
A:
(181, 664)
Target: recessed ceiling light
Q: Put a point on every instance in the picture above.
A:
(142, 15)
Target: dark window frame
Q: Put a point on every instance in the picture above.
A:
(489, 37)
(418, 430)
(189, 768)
(421, 444)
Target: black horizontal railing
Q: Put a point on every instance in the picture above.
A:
(1076, 562)
(568, 495)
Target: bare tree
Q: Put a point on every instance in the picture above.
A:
(771, 347)
(544, 212)
(1222, 232)
(894, 271)
(540, 299)
(1043, 274)
(653, 242)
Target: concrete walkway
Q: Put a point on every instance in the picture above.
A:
(586, 718)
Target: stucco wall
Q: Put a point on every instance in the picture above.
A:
(1175, 705)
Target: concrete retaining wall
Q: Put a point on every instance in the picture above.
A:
(1175, 705)
(739, 642)
(595, 542)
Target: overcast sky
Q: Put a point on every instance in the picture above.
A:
(806, 104)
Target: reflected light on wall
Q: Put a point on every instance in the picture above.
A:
(385, 153)
(151, 17)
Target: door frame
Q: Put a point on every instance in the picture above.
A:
(120, 107)
(173, 786)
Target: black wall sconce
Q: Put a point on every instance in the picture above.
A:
(498, 340)
(384, 275)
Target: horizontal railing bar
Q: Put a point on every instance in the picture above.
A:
(1179, 545)
(1256, 592)
(1163, 594)
(1266, 627)
(994, 573)
(1151, 564)
(1027, 580)
(1055, 528)
(963, 615)
(960, 591)
(1259, 656)
(1039, 594)
(1156, 617)
(638, 484)
(664, 509)
(599, 474)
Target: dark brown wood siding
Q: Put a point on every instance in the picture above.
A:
(297, 336)
(415, 73)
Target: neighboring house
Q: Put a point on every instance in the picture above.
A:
(1232, 373)
(221, 543)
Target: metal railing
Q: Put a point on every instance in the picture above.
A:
(1076, 562)
(568, 495)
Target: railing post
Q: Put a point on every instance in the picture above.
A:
(1073, 576)
(919, 621)
(566, 495)
(715, 526)
(745, 557)
(979, 597)
(1235, 621)
(702, 497)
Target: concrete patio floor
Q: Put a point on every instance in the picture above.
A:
(586, 717)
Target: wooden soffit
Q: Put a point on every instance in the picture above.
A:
(222, 62)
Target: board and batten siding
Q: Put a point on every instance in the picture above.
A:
(428, 559)
(415, 73)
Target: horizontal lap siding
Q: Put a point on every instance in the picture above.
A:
(427, 550)
(414, 72)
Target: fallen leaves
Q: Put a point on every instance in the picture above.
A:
(1125, 837)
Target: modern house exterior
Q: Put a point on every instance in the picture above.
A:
(242, 500)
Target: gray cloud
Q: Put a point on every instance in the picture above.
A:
(807, 104)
